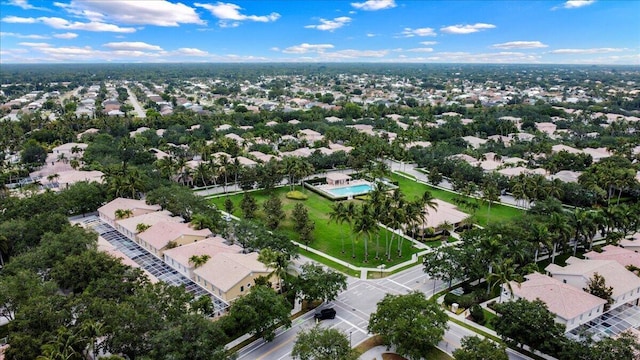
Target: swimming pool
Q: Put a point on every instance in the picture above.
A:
(353, 190)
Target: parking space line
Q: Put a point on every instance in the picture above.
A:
(353, 325)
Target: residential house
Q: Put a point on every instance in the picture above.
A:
(164, 235)
(108, 211)
(631, 243)
(571, 306)
(474, 142)
(129, 226)
(445, 214)
(229, 276)
(578, 272)
(180, 257)
(625, 257)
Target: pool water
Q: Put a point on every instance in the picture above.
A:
(351, 190)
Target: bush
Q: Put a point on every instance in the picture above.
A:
(296, 195)
(466, 301)
(477, 314)
(450, 298)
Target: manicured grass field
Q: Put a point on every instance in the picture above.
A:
(482, 217)
(328, 237)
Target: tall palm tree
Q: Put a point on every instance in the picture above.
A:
(350, 213)
(277, 261)
(503, 273)
(561, 232)
(582, 223)
(202, 172)
(364, 226)
(338, 215)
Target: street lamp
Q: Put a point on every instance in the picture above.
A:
(350, 331)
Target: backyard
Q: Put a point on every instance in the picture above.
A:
(328, 236)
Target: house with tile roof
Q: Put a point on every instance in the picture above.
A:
(444, 213)
(571, 306)
(107, 212)
(164, 235)
(129, 226)
(631, 243)
(622, 256)
(229, 276)
(179, 257)
(578, 272)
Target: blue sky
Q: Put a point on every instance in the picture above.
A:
(567, 32)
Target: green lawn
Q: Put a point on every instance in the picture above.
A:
(328, 236)
(482, 217)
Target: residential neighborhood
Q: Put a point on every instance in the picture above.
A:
(237, 205)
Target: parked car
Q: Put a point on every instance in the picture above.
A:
(325, 314)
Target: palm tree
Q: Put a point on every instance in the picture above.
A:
(123, 213)
(202, 172)
(582, 223)
(561, 231)
(199, 260)
(4, 248)
(93, 330)
(350, 212)
(277, 261)
(167, 166)
(142, 227)
(364, 226)
(338, 215)
(503, 273)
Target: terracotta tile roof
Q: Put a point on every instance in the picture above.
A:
(563, 300)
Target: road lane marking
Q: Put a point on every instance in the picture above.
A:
(397, 283)
(352, 325)
(277, 348)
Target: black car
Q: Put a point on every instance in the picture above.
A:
(325, 314)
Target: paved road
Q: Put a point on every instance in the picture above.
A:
(353, 307)
(136, 105)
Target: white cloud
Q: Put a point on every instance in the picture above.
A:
(374, 5)
(409, 32)
(466, 29)
(230, 13)
(354, 54)
(23, 36)
(307, 48)
(574, 4)
(158, 12)
(132, 46)
(19, 20)
(520, 45)
(24, 4)
(428, 43)
(67, 35)
(504, 57)
(191, 52)
(330, 25)
(587, 51)
(425, 49)
(370, 35)
(60, 23)
(36, 45)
